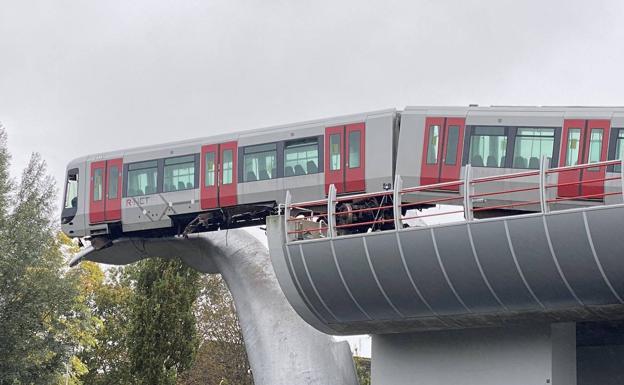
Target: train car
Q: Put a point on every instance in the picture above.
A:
(226, 181)
(437, 143)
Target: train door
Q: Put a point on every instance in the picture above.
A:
(441, 159)
(345, 158)
(105, 196)
(219, 177)
(584, 141)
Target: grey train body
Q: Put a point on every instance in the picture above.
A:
(164, 189)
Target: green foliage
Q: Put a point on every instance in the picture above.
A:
(36, 294)
(163, 338)
(109, 298)
(222, 358)
(363, 369)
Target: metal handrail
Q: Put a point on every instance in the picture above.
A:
(465, 193)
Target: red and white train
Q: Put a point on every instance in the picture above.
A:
(238, 179)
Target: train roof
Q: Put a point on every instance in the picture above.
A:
(565, 111)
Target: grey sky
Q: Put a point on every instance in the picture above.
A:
(80, 77)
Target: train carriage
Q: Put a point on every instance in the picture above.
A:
(226, 181)
(238, 179)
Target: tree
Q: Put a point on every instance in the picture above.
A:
(363, 369)
(222, 358)
(108, 296)
(162, 338)
(36, 296)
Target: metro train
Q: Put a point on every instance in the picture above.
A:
(237, 179)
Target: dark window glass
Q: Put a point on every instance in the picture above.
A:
(259, 162)
(142, 178)
(432, 146)
(71, 191)
(531, 144)
(619, 149)
(179, 173)
(227, 166)
(354, 149)
(595, 145)
(113, 182)
(452, 142)
(210, 169)
(488, 147)
(334, 152)
(573, 147)
(301, 157)
(97, 185)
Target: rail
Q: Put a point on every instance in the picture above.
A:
(394, 208)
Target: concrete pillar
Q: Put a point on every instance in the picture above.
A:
(531, 354)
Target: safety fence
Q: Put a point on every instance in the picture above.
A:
(534, 191)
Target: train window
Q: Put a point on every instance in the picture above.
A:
(179, 173)
(488, 147)
(531, 144)
(142, 178)
(574, 146)
(227, 166)
(97, 184)
(354, 149)
(113, 182)
(71, 189)
(434, 140)
(619, 149)
(450, 157)
(210, 169)
(301, 157)
(595, 145)
(334, 152)
(259, 162)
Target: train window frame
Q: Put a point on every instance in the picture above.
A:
(473, 131)
(70, 204)
(178, 160)
(138, 166)
(112, 182)
(250, 151)
(97, 194)
(515, 135)
(298, 144)
(616, 135)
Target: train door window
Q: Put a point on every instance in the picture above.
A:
(531, 144)
(619, 149)
(334, 154)
(142, 178)
(227, 166)
(452, 141)
(259, 162)
(354, 149)
(574, 146)
(434, 140)
(179, 173)
(113, 182)
(71, 189)
(97, 184)
(595, 145)
(301, 157)
(488, 147)
(210, 169)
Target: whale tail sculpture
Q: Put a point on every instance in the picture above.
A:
(282, 348)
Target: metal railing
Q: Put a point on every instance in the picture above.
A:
(320, 218)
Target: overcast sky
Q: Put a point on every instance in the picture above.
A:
(79, 77)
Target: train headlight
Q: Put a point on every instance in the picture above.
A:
(387, 186)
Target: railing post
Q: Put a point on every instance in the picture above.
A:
(288, 202)
(543, 191)
(331, 211)
(467, 192)
(396, 202)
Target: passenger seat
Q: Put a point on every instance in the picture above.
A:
(288, 171)
(312, 168)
